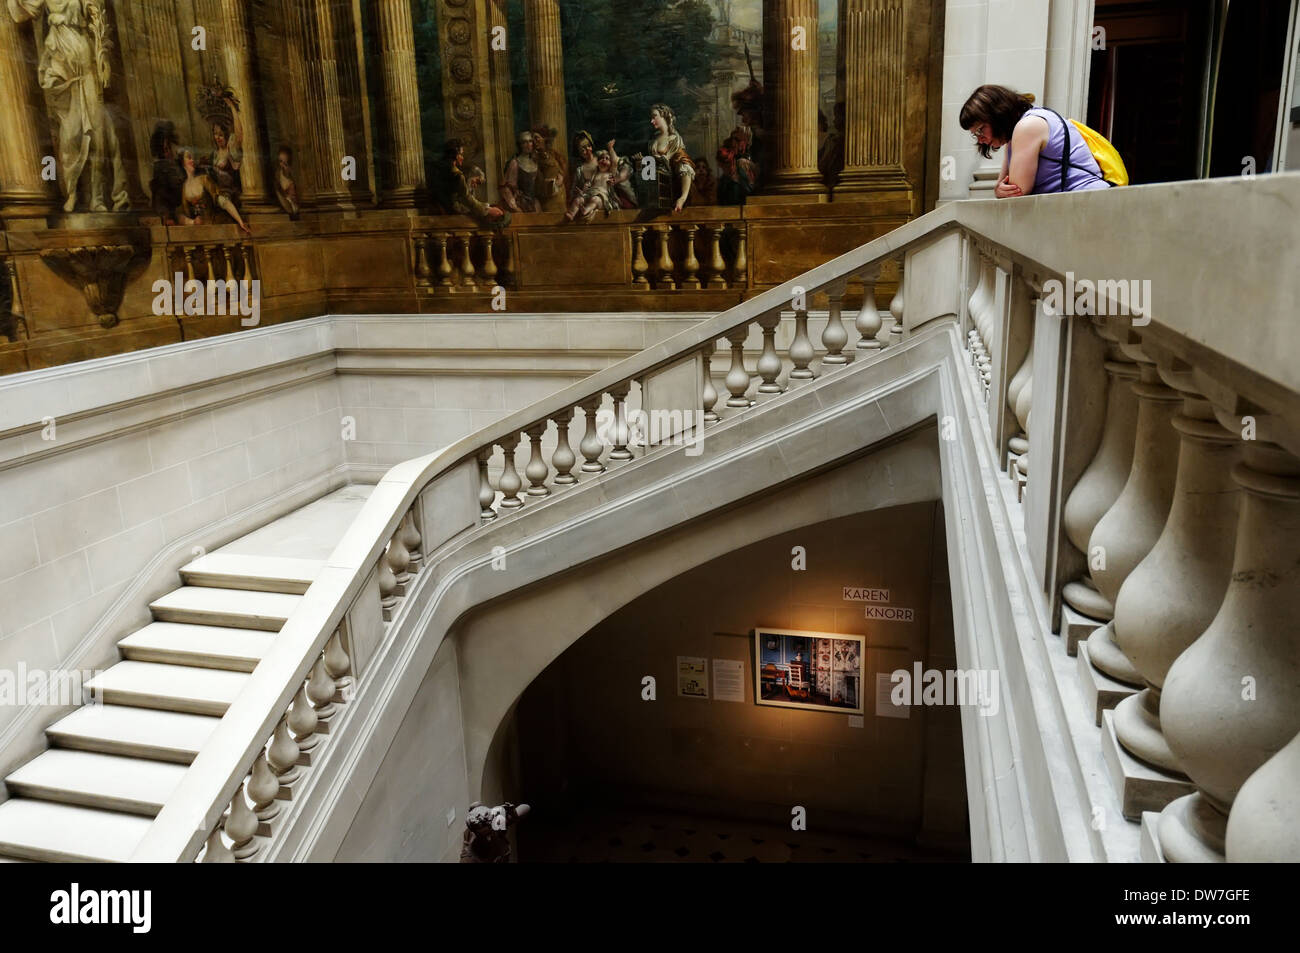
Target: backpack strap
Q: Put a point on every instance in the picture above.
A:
(1065, 155)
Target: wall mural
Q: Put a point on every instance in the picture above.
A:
(208, 137)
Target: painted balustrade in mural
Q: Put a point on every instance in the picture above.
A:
(698, 255)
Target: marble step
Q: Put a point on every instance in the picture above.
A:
(203, 646)
(182, 688)
(133, 732)
(49, 831)
(237, 608)
(90, 779)
(254, 573)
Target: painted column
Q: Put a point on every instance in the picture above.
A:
(872, 44)
(792, 145)
(237, 54)
(23, 193)
(403, 143)
(546, 70)
(503, 108)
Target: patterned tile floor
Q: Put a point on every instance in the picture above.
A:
(630, 835)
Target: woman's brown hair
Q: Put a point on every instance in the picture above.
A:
(998, 106)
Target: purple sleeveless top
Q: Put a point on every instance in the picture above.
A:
(1084, 172)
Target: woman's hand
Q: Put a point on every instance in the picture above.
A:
(1006, 189)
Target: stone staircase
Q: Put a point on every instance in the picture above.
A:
(112, 764)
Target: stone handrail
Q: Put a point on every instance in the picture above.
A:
(309, 662)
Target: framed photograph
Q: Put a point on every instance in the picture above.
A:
(692, 677)
(819, 671)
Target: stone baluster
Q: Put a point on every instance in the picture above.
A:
(740, 266)
(213, 255)
(1174, 593)
(1131, 527)
(834, 336)
(215, 850)
(241, 826)
(1264, 826)
(717, 266)
(537, 470)
(896, 306)
(709, 392)
(639, 265)
(411, 537)
(191, 253)
(801, 349)
(664, 266)
(769, 362)
(399, 560)
(510, 481)
(563, 458)
(249, 253)
(1229, 702)
(320, 691)
(387, 587)
(337, 665)
(228, 261)
(466, 261)
(691, 266)
(1020, 392)
(282, 754)
(486, 495)
(444, 263)
(737, 380)
(423, 273)
(489, 263)
(868, 322)
(620, 453)
(591, 446)
(264, 791)
(303, 720)
(1101, 483)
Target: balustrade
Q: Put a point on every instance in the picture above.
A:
(689, 256)
(218, 260)
(459, 261)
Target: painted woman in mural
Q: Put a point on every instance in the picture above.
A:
(673, 167)
(74, 72)
(221, 109)
(519, 187)
(203, 202)
(587, 167)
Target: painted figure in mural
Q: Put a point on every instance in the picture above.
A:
(704, 191)
(600, 190)
(519, 188)
(459, 190)
(485, 839)
(587, 168)
(551, 170)
(202, 200)
(674, 170)
(830, 155)
(737, 174)
(74, 72)
(221, 109)
(168, 177)
(286, 190)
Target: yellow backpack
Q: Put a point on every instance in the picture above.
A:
(1107, 156)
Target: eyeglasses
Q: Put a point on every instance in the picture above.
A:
(978, 131)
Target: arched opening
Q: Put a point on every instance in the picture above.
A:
(643, 741)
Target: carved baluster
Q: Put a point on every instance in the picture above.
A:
(592, 446)
(486, 495)
(252, 272)
(229, 273)
(15, 300)
(709, 392)
(423, 273)
(191, 253)
(320, 691)
(303, 720)
(387, 587)
(718, 267)
(489, 264)
(737, 380)
(466, 261)
(264, 791)
(283, 754)
(769, 362)
(213, 254)
(740, 267)
(241, 826)
(868, 322)
(337, 665)
(1264, 826)
(510, 481)
(444, 263)
(399, 560)
(664, 274)
(801, 348)
(692, 264)
(215, 849)
(896, 306)
(834, 337)
(639, 264)
(620, 452)
(563, 458)
(536, 470)
(411, 537)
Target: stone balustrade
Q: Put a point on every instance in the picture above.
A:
(692, 256)
(233, 259)
(459, 261)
